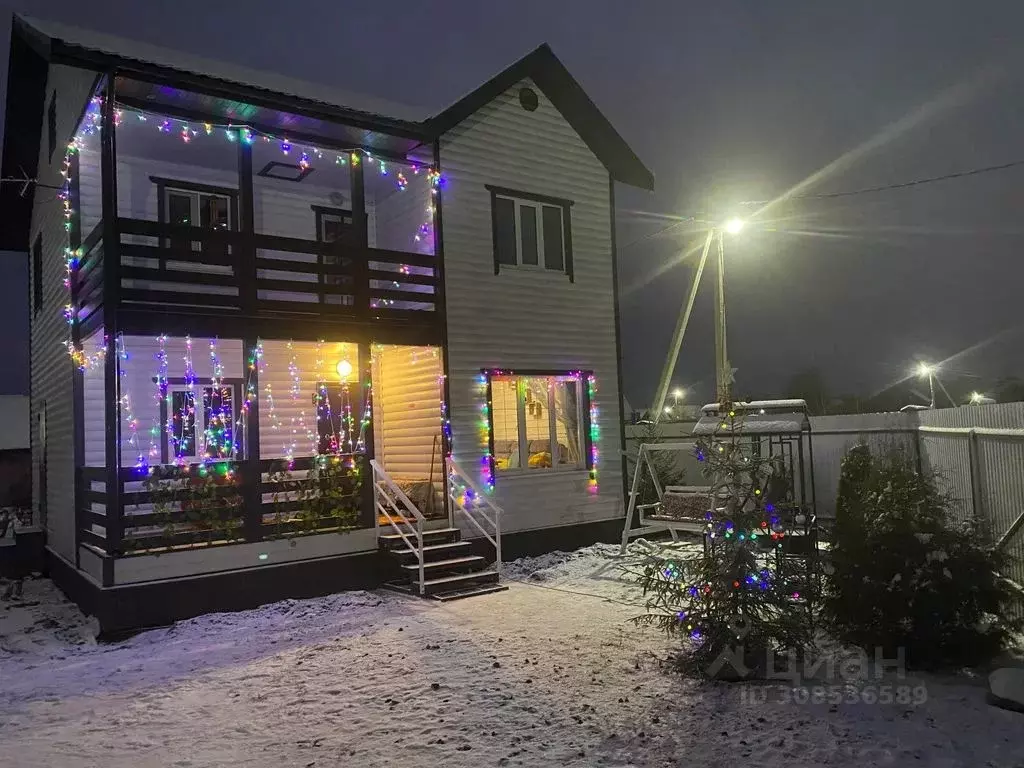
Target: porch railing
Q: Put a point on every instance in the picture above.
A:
(392, 505)
(226, 271)
(483, 514)
(179, 508)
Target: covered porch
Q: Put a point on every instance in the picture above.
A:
(254, 445)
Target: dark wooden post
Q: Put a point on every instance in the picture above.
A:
(360, 264)
(252, 475)
(77, 375)
(366, 386)
(245, 250)
(111, 291)
(441, 310)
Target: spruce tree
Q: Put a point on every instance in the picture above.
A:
(737, 600)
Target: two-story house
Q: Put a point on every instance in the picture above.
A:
(276, 328)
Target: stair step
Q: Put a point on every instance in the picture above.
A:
(455, 562)
(462, 580)
(393, 538)
(458, 594)
(451, 546)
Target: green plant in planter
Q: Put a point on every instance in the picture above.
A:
(191, 500)
(211, 501)
(327, 497)
(903, 576)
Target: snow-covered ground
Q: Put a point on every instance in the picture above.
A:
(550, 673)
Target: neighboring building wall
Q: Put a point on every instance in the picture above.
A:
(14, 432)
(51, 375)
(530, 319)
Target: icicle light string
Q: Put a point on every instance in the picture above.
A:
(305, 152)
(126, 401)
(161, 399)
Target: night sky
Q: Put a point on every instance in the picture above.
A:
(726, 102)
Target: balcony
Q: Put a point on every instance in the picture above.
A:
(233, 225)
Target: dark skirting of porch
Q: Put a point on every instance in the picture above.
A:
(124, 610)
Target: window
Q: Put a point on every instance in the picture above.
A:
(51, 125)
(197, 205)
(537, 422)
(531, 231)
(335, 427)
(37, 273)
(209, 432)
(198, 209)
(332, 224)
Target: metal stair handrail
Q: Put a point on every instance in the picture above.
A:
(482, 504)
(385, 487)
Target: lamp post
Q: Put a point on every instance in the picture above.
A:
(926, 369)
(723, 373)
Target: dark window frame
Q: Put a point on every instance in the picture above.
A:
(545, 200)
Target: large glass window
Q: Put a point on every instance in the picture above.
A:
(537, 422)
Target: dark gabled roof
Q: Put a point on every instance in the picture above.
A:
(550, 75)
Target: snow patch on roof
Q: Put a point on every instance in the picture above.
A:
(198, 65)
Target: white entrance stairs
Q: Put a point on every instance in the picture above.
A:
(438, 563)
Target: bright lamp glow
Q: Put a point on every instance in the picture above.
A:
(344, 370)
(668, 409)
(678, 393)
(977, 397)
(734, 226)
(925, 369)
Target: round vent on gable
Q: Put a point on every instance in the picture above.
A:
(528, 99)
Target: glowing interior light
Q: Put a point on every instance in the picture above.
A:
(344, 370)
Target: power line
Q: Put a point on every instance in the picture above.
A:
(901, 185)
(846, 193)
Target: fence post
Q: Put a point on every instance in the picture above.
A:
(974, 460)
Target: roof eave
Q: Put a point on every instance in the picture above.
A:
(70, 54)
(554, 80)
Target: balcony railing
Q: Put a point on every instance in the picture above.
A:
(169, 265)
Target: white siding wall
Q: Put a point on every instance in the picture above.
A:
(51, 375)
(94, 414)
(530, 319)
(279, 207)
(407, 412)
(292, 420)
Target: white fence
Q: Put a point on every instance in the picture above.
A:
(977, 452)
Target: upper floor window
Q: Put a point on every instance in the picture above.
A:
(538, 421)
(532, 231)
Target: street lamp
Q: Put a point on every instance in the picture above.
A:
(928, 370)
(677, 394)
(734, 226)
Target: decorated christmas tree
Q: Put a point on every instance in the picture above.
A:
(737, 599)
